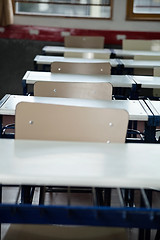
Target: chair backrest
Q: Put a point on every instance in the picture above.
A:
(87, 55)
(156, 71)
(84, 41)
(155, 45)
(145, 57)
(41, 121)
(135, 44)
(87, 90)
(142, 45)
(99, 68)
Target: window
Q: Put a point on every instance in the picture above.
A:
(99, 9)
(143, 10)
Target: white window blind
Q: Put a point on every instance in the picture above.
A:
(65, 8)
(147, 6)
(148, 10)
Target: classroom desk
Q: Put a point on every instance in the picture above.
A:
(133, 166)
(60, 50)
(147, 82)
(118, 65)
(137, 110)
(134, 83)
(130, 63)
(47, 60)
(117, 81)
(121, 53)
(155, 108)
(127, 66)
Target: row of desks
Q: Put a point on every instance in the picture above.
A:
(118, 65)
(39, 163)
(135, 83)
(139, 110)
(113, 52)
(100, 165)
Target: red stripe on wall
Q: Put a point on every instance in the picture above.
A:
(56, 34)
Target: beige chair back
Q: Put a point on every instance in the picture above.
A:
(141, 45)
(156, 73)
(147, 58)
(135, 44)
(41, 121)
(84, 41)
(87, 90)
(155, 45)
(87, 55)
(99, 68)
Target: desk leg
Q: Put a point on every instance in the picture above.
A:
(129, 197)
(27, 194)
(129, 71)
(103, 196)
(46, 67)
(120, 69)
(42, 195)
(146, 233)
(35, 66)
(157, 237)
(24, 85)
(0, 203)
(135, 91)
(1, 121)
(150, 134)
(107, 196)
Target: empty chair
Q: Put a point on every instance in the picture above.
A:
(70, 123)
(39, 121)
(84, 41)
(87, 55)
(99, 68)
(101, 91)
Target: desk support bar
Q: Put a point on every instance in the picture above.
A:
(105, 216)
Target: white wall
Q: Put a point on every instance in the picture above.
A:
(118, 21)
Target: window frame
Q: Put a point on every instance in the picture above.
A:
(61, 16)
(130, 15)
